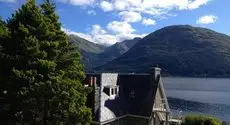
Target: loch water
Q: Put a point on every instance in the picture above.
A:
(206, 96)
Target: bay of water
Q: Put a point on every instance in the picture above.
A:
(210, 96)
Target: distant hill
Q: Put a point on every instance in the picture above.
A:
(119, 48)
(89, 51)
(94, 55)
(179, 50)
(86, 45)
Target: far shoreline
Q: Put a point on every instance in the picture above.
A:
(196, 76)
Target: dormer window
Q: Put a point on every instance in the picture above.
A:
(132, 93)
(111, 90)
(116, 91)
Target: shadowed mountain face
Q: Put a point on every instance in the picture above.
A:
(85, 45)
(89, 51)
(119, 48)
(94, 55)
(179, 50)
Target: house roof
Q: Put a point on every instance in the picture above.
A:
(136, 96)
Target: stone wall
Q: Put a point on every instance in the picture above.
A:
(107, 79)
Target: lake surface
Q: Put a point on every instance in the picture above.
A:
(209, 96)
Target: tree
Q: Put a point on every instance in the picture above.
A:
(3, 36)
(43, 84)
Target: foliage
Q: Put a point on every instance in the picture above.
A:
(200, 120)
(225, 123)
(40, 72)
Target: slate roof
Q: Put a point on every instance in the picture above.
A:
(136, 96)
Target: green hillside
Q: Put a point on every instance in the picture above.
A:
(119, 48)
(93, 55)
(180, 50)
(86, 45)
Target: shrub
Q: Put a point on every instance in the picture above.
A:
(225, 123)
(200, 120)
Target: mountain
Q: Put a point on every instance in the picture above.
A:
(179, 50)
(89, 51)
(120, 48)
(94, 55)
(85, 45)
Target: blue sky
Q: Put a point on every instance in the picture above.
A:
(111, 21)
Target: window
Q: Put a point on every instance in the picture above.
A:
(115, 91)
(111, 90)
(106, 91)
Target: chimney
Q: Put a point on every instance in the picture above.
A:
(155, 73)
(91, 81)
(95, 82)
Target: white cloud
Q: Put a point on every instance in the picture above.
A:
(106, 6)
(96, 35)
(130, 11)
(148, 22)
(8, 1)
(120, 4)
(207, 19)
(100, 36)
(123, 30)
(173, 4)
(85, 36)
(155, 11)
(106, 39)
(120, 27)
(82, 35)
(68, 31)
(130, 16)
(167, 4)
(122, 37)
(91, 12)
(156, 7)
(133, 10)
(97, 29)
(197, 3)
(78, 2)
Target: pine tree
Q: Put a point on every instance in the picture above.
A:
(69, 62)
(43, 84)
(3, 71)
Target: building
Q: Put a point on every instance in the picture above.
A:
(128, 99)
